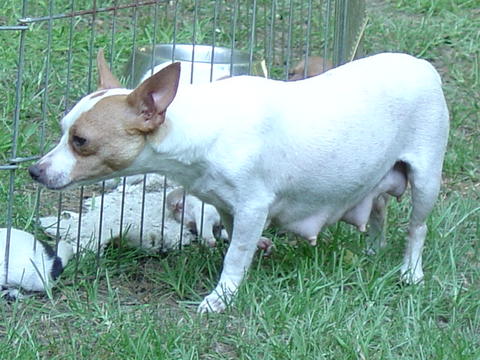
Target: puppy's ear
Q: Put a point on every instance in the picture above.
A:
(178, 206)
(152, 97)
(106, 80)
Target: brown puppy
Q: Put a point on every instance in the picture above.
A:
(315, 66)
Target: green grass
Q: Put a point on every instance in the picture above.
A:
(324, 302)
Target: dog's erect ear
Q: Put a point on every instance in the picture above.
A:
(152, 97)
(106, 80)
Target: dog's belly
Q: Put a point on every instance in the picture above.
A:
(307, 218)
(304, 220)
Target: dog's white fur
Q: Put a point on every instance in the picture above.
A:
(303, 154)
(32, 265)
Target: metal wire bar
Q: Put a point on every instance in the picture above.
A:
(16, 123)
(114, 27)
(67, 105)
(164, 203)
(59, 214)
(89, 88)
(15, 27)
(175, 24)
(134, 46)
(194, 41)
(79, 229)
(44, 113)
(214, 39)
(152, 59)
(339, 55)
(142, 211)
(12, 163)
(307, 37)
(69, 58)
(100, 222)
(282, 17)
(102, 195)
(252, 36)
(271, 39)
(67, 96)
(233, 32)
(289, 38)
(326, 28)
(94, 10)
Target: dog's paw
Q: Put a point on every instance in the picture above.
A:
(219, 298)
(412, 276)
(212, 303)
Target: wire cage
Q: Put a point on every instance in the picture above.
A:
(56, 44)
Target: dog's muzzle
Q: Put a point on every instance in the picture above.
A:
(37, 172)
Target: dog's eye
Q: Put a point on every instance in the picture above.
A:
(78, 141)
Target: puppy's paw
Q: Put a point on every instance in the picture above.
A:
(11, 294)
(210, 242)
(266, 245)
(212, 303)
(371, 250)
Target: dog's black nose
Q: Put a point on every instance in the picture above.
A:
(35, 171)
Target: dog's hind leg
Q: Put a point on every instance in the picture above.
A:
(425, 178)
(377, 225)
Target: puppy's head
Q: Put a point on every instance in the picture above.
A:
(107, 130)
(315, 66)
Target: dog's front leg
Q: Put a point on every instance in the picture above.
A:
(248, 225)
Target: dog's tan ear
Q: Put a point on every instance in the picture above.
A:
(152, 97)
(106, 80)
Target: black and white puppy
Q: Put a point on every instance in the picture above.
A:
(32, 267)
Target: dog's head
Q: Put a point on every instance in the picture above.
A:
(107, 130)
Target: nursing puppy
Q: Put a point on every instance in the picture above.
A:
(204, 221)
(32, 267)
(302, 154)
(313, 66)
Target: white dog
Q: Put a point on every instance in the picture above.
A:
(302, 154)
(32, 265)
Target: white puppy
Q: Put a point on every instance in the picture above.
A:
(303, 154)
(32, 265)
(203, 221)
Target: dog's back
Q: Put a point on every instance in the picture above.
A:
(352, 122)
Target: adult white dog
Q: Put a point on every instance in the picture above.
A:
(301, 154)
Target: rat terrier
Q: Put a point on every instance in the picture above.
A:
(302, 154)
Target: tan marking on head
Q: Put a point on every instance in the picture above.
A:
(111, 141)
(108, 136)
